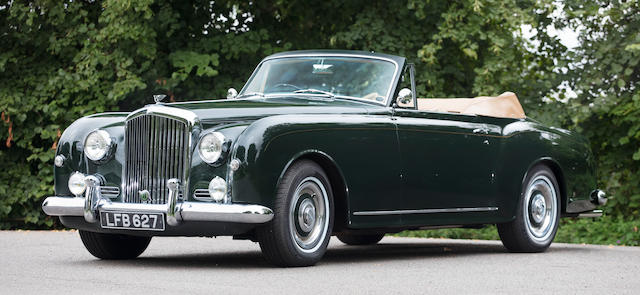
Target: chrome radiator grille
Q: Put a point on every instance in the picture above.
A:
(156, 150)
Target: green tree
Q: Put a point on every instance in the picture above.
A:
(60, 60)
(606, 77)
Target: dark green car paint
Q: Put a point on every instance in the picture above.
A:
(379, 157)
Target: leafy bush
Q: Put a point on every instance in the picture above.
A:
(61, 60)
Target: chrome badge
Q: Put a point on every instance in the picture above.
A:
(145, 196)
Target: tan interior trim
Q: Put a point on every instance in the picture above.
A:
(505, 105)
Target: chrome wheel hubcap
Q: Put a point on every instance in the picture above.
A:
(538, 208)
(308, 213)
(541, 208)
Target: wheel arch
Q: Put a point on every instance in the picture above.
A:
(337, 181)
(555, 167)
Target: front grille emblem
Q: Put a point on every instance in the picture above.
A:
(145, 196)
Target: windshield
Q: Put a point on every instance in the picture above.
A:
(350, 77)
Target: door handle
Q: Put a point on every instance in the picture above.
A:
(480, 131)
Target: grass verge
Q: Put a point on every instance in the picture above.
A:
(605, 230)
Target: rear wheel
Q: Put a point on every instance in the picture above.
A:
(114, 246)
(303, 217)
(537, 214)
(359, 239)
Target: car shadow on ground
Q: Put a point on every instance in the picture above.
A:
(336, 254)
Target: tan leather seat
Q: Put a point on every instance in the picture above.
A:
(505, 105)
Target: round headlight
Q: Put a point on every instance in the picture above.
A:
(97, 145)
(210, 147)
(217, 189)
(76, 183)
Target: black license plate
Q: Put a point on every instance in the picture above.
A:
(132, 220)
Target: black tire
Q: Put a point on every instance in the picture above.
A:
(282, 240)
(359, 239)
(114, 246)
(535, 225)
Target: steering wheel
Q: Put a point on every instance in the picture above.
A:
(285, 85)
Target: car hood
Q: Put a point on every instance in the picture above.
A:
(216, 111)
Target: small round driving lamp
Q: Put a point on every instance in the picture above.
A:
(76, 184)
(210, 147)
(97, 145)
(217, 189)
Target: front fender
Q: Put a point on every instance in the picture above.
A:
(71, 146)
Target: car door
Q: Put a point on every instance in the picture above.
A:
(447, 166)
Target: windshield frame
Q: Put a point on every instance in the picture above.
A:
(384, 102)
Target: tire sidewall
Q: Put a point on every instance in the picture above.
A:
(303, 170)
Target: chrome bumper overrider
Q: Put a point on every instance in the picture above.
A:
(92, 202)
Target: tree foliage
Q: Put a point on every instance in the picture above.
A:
(606, 78)
(60, 60)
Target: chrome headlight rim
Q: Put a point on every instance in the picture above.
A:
(109, 146)
(216, 157)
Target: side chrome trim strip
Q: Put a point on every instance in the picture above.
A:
(425, 211)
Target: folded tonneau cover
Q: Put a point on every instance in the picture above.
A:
(505, 105)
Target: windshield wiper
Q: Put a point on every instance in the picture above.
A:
(251, 94)
(311, 90)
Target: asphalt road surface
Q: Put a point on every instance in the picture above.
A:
(56, 263)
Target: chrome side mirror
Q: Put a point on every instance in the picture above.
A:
(405, 98)
(232, 93)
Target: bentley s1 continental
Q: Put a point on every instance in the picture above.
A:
(319, 143)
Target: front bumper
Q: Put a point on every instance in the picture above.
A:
(92, 203)
(187, 211)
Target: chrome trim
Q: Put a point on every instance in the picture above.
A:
(240, 213)
(166, 111)
(220, 137)
(59, 160)
(173, 217)
(425, 211)
(159, 144)
(110, 150)
(540, 204)
(187, 211)
(234, 164)
(92, 197)
(60, 206)
(110, 192)
(309, 215)
(599, 197)
(232, 93)
(158, 98)
(590, 214)
(202, 194)
(388, 96)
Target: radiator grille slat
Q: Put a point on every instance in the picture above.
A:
(156, 149)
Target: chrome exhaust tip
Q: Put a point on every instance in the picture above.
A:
(599, 197)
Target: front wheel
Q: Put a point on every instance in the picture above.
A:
(114, 246)
(537, 214)
(303, 217)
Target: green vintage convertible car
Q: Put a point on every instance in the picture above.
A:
(319, 143)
